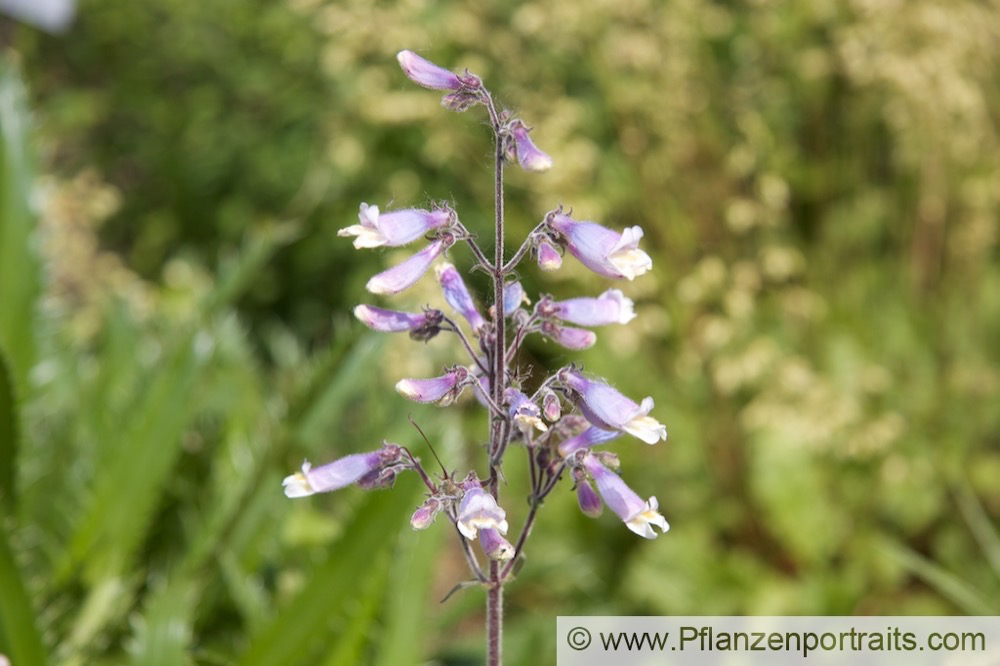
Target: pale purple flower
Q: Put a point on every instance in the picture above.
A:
(586, 496)
(396, 228)
(524, 412)
(551, 406)
(457, 295)
(569, 337)
(495, 546)
(524, 149)
(592, 436)
(611, 307)
(548, 256)
(479, 510)
(425, 514)
(513, 298)
(404, 275)
(393, 321)
(638, 515)
(427, 74)
(606, 252)
(606, 408)
(443, 390)
(340, 473)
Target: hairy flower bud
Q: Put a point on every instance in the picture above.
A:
(457, 295)
(548, 256)
(393, 321)
(425, 73)
(404, 275)
(443, 390)
(569, 337)
(551, 406)
(425, 514)
(496, 547)
(523, 149)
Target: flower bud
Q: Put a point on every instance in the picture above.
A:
(548, 257)
(524, 149)
(551, 406)
(427, 74)
(425, 514)
(569, 337)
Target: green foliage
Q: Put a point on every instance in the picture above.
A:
(818, 183)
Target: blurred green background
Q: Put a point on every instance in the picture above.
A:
(819, 183)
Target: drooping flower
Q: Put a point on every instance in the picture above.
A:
(524, 150)
(638, 516)
(513, 298)
(568, 336)
(457, 295)
(611, 307)
(592, 436)
(339, 473)
(590, 503)
(524, 412)
(425, 513)
(393, 321)
(443, 390)
(425, 73)
(548, 256)
(396, 228)
(479, 510)
(606, 252)
(404, 275)
(608, 409)
(495, 546)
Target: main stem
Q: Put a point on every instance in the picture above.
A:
(494, 595)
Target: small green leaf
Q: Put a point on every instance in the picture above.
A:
(19, 637)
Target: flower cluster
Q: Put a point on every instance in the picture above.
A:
(561, 420)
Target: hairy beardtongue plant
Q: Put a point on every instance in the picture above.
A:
(567, 416)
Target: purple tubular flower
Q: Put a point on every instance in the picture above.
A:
(457, 295)
(404, 275)
(396, 228)
(569, 337)
(425, 514)
(478, 511)
(549, 258)
(592, 436)
(606, 252)
(606, 408)
(513, 297)
(340, 473)
(524, 412)
(611, 307)
(495, 546)
(427, 74)
(443, 390)
(638, 516)
(590, 503)
(393, 321)
(528, 155)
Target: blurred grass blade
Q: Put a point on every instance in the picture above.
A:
(979, 523)
(946, 583)
(335, 583)
(19, 637)
(163, 634)
(9, 423)
(404, 632)
(349, 649)
(19, 267)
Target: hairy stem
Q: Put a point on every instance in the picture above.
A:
(494, 596)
